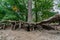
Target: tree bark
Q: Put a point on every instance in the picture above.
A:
(29, 11)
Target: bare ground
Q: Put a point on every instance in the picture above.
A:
(33, 35)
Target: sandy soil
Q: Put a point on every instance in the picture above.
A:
(33, 35)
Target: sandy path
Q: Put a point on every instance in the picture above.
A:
(24, 35)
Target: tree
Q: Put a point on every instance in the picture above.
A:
(42, 9)
(21, 10)
(29, 10)
(14, 7)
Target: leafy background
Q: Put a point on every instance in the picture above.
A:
(18, 10)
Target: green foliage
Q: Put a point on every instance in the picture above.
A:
(10, 17)
(59, 5)
(2, 14)
(43, 4)
(7, 6)
(47, 14)
(43, 7)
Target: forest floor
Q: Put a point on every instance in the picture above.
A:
(33, 35)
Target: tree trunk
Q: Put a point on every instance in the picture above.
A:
(36, 12)
(29, 10)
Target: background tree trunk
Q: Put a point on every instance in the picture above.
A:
(36, 12)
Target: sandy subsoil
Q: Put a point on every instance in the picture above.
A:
(33, 35)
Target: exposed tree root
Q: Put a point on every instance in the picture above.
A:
(31, 26)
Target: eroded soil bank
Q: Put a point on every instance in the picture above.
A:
(33, 35)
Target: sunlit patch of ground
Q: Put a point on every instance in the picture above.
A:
(24, 35)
